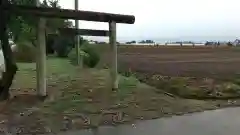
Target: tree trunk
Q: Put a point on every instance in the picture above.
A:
(10, 64)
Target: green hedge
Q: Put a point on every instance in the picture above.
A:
(90, 56)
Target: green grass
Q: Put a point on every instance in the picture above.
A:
(74, 85)
(56, 69)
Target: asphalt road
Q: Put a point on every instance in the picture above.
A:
(217, 122)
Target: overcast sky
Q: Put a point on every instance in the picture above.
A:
(161, 19)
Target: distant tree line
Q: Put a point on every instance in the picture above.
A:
(146, 41)
(101, 42)
(142, 41)
(131, 42)
(208, 43)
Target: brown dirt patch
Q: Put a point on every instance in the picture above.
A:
(195, 62)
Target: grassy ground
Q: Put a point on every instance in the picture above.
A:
(83, 99)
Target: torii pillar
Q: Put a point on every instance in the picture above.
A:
(41, 57)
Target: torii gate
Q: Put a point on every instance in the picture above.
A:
(6, 9)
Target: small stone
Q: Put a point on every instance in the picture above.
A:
(21, 114)
(47, 129)
(79, 122)
(218, 93)
(66, 124)
(90, 90)
(118, 117)
(65, 118)
(89, 100)
(87, 121)
(229, 102)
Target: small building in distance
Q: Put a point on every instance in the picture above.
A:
(236, 42)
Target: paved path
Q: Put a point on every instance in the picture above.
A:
(218, 122)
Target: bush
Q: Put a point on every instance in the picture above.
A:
(90, 56)
(50, 39)
(63, 46)
(26, 52)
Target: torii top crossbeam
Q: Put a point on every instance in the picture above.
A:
(68, 14)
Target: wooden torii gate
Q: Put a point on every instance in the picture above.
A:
(6, 9)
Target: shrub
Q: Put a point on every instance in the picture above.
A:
(93, 56)
(90, 56)
(50, 39)
(26, 52)
(63, 46)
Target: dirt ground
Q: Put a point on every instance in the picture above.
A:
(218, 63)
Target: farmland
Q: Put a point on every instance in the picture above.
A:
(220, 62)
(191, 67)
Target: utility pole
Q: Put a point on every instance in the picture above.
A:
(41, 56)
(77, 40)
